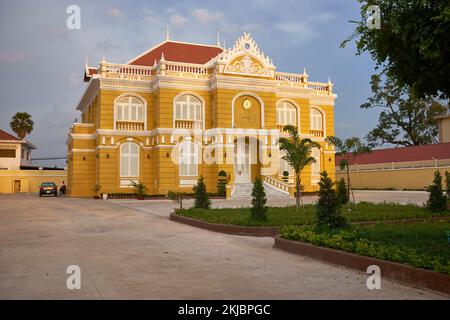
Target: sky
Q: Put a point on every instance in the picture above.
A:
(42, 61)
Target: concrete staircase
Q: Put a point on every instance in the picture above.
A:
(244, 190)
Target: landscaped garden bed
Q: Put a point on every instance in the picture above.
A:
(422, 245)
(282, 216)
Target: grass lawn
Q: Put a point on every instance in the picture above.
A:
(422, 245)
(365, 211)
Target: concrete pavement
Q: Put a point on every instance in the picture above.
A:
(134, 253)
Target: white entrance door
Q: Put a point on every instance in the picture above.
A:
(242, 168)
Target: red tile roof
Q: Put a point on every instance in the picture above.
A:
(6, 136)
(89, 72)
(403, 154)
(178, 52)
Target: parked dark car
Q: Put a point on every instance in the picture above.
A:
(48, 188)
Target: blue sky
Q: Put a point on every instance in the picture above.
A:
(42, 62)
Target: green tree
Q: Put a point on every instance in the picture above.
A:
(177, 197)
(21, 124)
(298, 155)
(259, 200)
(404, 119)
(328, 211)
(348, 150)
(412, 44)
(201, 196)
(222, 183)
(437, 201)
(342, 191)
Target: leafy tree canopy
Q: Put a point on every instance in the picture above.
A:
(405, 119)
(412, 45)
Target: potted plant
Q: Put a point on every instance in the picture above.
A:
(285, 176)
(140, 190)
(96, 190)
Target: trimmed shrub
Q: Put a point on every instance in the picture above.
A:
(285, 176)
(259, 209)
(328, 212)
(201, 196)
(222, 184)
(342, 191)
(437, 201)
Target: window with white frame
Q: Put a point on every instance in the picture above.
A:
(129, 161)
(286, 113)
(316, 119)
(188, 158)
(189, 108)
(130, 109)
(315, 167)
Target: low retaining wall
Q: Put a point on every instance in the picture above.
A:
(389, 270)
(228, 229)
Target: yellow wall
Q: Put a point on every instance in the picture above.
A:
(30, 180)
(417, 178)
(93, 162)
(444, 129)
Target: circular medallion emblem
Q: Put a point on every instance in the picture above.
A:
(246, 104)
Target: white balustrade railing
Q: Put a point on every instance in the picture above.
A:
(277, 183)
(191, 70)
(318, 86)
(125, 71)
(316, 133)
(434, 163)
(188, 70)
(188, 124)
(289, 77)
(129, 126)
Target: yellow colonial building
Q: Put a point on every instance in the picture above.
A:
(183, 110)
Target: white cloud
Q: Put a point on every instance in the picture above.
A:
(306, 30)
(177, 20)
(254, 27)
(205, 17)
(115, 13)
(11, 57)
(322, 17)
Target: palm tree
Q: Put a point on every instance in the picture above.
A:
(298, 155)
(348, 149)
(21, 124)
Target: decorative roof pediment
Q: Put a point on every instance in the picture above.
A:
(245, 58)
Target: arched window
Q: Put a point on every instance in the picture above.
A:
(129, 163)
(316, 119)
(129, 113)
(188, 112)
(188, 158)
(315, 167)
(286, 114)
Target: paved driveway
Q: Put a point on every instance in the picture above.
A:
(127, 253)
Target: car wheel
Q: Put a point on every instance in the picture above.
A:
(55, 194)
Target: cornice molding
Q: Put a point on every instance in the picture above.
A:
(89, 95)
